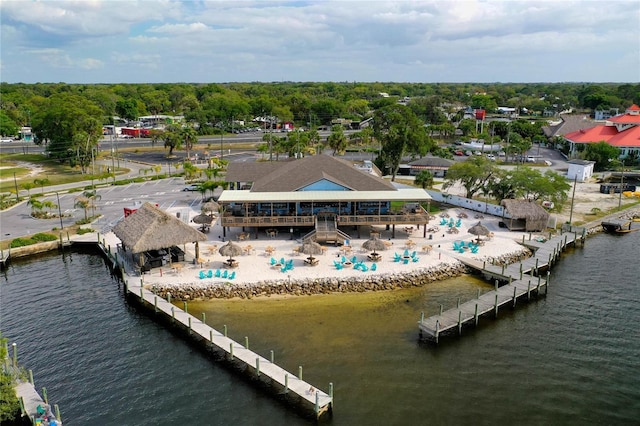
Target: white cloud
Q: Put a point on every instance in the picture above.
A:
(330, 40)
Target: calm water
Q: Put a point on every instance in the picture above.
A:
(569, 358)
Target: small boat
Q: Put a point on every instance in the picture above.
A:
(618, 226)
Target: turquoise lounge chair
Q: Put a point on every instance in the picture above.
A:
(225, 274)
(210, 274)
(202, 275)
(217, 273)
(232, 275)
(374, 266)
(273, 261)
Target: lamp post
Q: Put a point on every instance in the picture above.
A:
(621, 185)
(59, 211)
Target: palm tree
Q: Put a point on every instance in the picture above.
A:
(93, 196)
(190, 137)
(83, 203)
(28, 186)
(36, 206)
(41, 183)
(337, 140)
(424, 179)
(49, 205)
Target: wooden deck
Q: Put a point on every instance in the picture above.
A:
(519, 279)
(291, 386)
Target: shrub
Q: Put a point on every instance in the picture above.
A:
(37, 238)
(83, 231)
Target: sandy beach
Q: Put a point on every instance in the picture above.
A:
(254, 266)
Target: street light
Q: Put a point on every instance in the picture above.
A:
(621, 185)
(59, 211)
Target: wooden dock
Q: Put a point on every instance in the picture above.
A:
(285, 385)
(518, 280)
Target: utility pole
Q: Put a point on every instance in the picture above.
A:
(621, 185)
(575, 181)
(270, 136)
(59, 211)
(221, 140)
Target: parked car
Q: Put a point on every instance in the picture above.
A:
(126, 137)
(6, 140)
(192, 187)
(458, 152)
(491, 157)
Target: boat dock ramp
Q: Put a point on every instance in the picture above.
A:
(512, 282)
(288, 387)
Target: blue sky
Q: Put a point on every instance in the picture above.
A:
(118, 41)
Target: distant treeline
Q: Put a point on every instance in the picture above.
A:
(309, 104)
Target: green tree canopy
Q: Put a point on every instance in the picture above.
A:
(602, 153)
(70, 125)
(399, 131)
(474, 174)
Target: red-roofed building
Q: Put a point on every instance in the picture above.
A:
(622, 131)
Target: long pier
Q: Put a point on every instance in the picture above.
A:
(518, 280)
(285, 385)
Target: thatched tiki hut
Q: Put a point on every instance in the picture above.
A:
(150, 228)
(524, 215)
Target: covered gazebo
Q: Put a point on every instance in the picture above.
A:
(150, 228)
(525, 215)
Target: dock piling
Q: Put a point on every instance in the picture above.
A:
(286, 383)
(14, 345)
(173, 314)
(44, 395)
(317, 407)
(204, 318)
(155, 304)
(185, 307)
(272, 357)
(224, 330)
(459, 322)
(441, 309)
(475, 315)
(300, 372)
(169, 297)
(57, 410)
(514, 296)
(258, 366)
(496, 305)
(231, 350)
(31, 378)
(246, 342)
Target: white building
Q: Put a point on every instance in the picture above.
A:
(580, 170)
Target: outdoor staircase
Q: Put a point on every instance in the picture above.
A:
(326, 231)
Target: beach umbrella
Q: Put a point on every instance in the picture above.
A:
(479, 230)
(374, 244)
(210, 207)
(311, 248)
(203, 219)
(230, 249)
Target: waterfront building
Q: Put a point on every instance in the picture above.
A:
(318, 194)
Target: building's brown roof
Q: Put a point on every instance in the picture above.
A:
(570, 123)
(150, 228)
(294, 175)
(249, 172)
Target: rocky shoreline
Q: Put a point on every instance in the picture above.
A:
(307, 287)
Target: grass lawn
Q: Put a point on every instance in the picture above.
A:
(51, 170)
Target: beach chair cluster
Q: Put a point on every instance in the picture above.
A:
(451, 222)
(355, 264)
(224, 274)
(406, 257)
(281, 264)
(462, 246)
